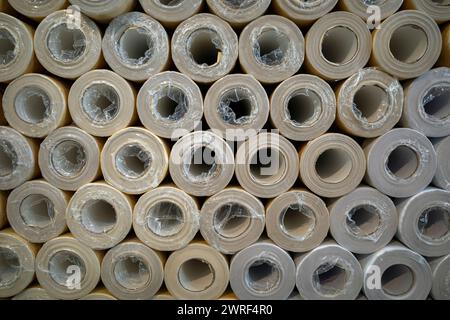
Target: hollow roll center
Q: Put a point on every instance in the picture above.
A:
(8, 159)
(397, 280)
(171, 103)
(333, 165)
(402, 162)
(339, 45)
(363, 220)
(133, 161)
(202, 163)
(9, 267)
(231, 220)
(136, 46)
(196, 275)
(68, 158)
(7, 47)
(32, 105)
(131, 272)
(263, 275)
(235, 107)
(98, 216)
(66, 268)
(36, 210)
(165, 219)
(66, 43)
(371, 103)
(268, 166)
(205, 47)
(434, 223)
(271, 47)
(298, 221)
(408, 43)
(330, 278)
(436, 102)
(302, 106)
(100, 102)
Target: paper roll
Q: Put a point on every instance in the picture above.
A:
(297, 221)
(171, 13)
(365, 10)
(205, 48)
(266, 165)
(67, 44)
(332, 165)
(70, 158)
(35, 105)
(407, 44)
(232, 220)
(166, 219)
(262, 271)
(3, 218)
(37, 10)
(363, 221)
(427, 103)
(170, 104)
(400, 163)
(101, 102)
(440, 268)
(238, 13)
(18, 155)
(444, 59)
(17, 258)
(396, 273)
(67, 269)
(304, 12)
(236, 107)
(303, 107)
(337, 46)
(132, 271)
(104, 10)
(328, 272)
(369, 103)
(134, 160)
(99, 295)
(438, 10)
(136, 46)
(442, 177)
(271, 48)
(201, 163)
(99, 216)
(37, 211)
(32, 294)
(197, 272)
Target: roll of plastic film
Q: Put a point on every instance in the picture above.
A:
(134, 160)
(136, 46)
(17, 56)
(170, 105)
(444, 59)
(201, 163)
(99, 294)
(365, 9)
(67, 269)
(337, 46)
(196, 272)
(328, 272)
(33, 293)
(70, 158)
(440, 268)
(262, 271)
(271, 48)
(17, 258)
(35, 105)
(37, 211)
(396, 273)
(171, 13)
(232, 220)
(303, 107)
(363, 221)
(99, 216)
(3, 217)
(18, 159)
(37, 10)
(442, 177)
(400, 163)
(238, 13)
(427, 105)
(304, 12)
(104, 10)
(166, 219)
(266, 165)
(205, 48)
(332, 165)
(67, 44)
(369, 103)
(438, 10)
(133, 271)
(424, 222)
(236, 107)
(407, 44)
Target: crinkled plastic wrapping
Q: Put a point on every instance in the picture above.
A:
(171, 13)
(304, 12)
(233, 96)
(62, 164)
(353, 228)
(103, 10)
(238, 12)
(96, 92)
(37, 10)
(10, 54)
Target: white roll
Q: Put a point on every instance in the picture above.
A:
(362, 8)
(438, 10)
(32, 294)
(238, 13)
(440, 269)
(37, 10)
(171, 13)
(104, 10)
(304, 12)
(442, 177)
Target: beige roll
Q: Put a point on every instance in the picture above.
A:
(337, 46)
(363, 8)
(171, 13)
(400, 163)
(166, 218)
(136, 46)
(427, 103)
(236, 107)
(205, 48)
(163, 295)
(3, 217)
(201, 163)
(5, 6)
(99, 216)
(232, 220)
(18, 158)
(37, 10)
(37, 211)
(238, 13)
(67, 269)
(332, 165)
(17, 257)
(304, 12)
(303, 107)
(69, 158)
(196, 272)
(267, 165)
(68, 44)
(439, 10)
(407, 44)
(170, 105)
(134, 160)
(271, 48)
(442, 177)
(104, 10)
(369, 103)
(35, 105)
(32, 294)
(297, 221)
(99, 294)
(363, 221)
(444, 59)
(17, 55)
(440, 269)
(396, 273)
